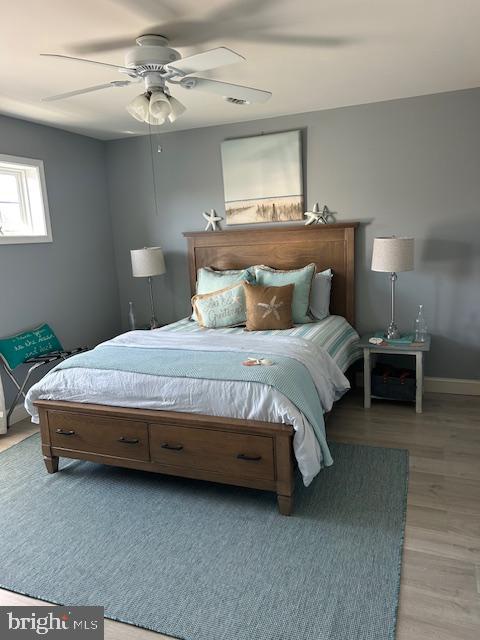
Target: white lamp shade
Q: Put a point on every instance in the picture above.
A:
(147, 262)
(138, 107)
(177, 109)
(159, 106)
(392, 254)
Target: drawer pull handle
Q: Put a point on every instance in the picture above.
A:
(244, 456)
(129, 440)
(64, 432)
(171, 447)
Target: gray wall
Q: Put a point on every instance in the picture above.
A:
(405, 167)
(70, 283)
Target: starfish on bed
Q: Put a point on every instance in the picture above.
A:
(271, 307)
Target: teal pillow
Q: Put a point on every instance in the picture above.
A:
(224, 308)
(301, 278)
(209, 280)
(16, 349)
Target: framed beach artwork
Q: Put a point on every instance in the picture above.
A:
(262, 178)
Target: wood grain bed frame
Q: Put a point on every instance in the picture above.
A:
(246, 453)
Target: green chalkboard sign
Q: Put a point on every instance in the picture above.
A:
(16, 349)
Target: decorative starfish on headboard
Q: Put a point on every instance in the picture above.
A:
(212, 219)
(315, 216)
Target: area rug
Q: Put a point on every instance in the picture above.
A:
(201, 561)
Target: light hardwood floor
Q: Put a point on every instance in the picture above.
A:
(440, 586)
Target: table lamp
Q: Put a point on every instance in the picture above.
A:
(146, 263)
(391, 255)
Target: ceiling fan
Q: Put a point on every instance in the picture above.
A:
(158, 66)
(246, 20)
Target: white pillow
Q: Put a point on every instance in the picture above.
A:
(320, 294)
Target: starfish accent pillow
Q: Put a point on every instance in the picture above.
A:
(301, 278)
(268, 307)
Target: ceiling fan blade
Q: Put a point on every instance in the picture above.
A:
(103, 64)
(78, 92)
(150, 9)
(285, 39)
(226, 89)
(238, 9)
(207, 60)
(99, 46)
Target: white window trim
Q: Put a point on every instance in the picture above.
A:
(47, 237)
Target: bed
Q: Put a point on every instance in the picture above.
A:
(84, 415)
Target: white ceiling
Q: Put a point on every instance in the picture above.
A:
(312, 54)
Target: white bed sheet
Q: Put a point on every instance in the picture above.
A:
(244, 400)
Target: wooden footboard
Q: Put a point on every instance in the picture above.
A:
(245, 453)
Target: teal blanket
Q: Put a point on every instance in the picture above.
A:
(287, 375)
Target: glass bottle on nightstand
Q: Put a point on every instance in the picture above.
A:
(131, 317)
(420, 326)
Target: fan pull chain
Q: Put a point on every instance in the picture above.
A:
(153, 169)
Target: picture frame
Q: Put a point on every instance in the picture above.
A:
(263, 178)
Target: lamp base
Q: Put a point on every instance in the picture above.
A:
(392, 332)
(154, 324)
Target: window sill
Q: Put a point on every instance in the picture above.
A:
(25, 239)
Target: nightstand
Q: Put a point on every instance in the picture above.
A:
(417, 349)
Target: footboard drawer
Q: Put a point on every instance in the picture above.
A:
(241, 455)
(98, 435)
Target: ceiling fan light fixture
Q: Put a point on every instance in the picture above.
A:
(138, 107)
(177, 108)
(159, 106)
(153, 120)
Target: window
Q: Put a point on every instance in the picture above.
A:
(24, 215)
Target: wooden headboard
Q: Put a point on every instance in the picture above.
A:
(283, 247)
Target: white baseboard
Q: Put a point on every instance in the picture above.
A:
(456, 386)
